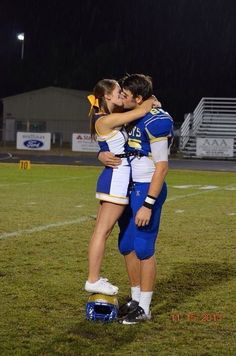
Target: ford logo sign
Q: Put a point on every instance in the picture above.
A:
(33, 144)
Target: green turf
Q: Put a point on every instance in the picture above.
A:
(43, 266)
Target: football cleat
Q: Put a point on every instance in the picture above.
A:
(102, 307)
(135, 317)
(126, 308)
(101, 286)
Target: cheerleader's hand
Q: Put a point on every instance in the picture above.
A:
(156, 102)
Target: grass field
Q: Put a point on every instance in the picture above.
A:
(47, 217)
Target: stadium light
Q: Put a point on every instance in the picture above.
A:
(21, 37)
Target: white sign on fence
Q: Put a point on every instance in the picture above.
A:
(82, 142)
(215, 147)
(33, 141)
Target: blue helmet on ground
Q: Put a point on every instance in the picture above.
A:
(101, 307)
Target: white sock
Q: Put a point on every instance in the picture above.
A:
(135, 293)
(145, 301)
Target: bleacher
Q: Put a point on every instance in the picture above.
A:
(212, 118)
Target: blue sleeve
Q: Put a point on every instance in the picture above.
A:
(159, 129)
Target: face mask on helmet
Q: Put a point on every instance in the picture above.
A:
(102, 307)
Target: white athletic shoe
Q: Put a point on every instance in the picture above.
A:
(101, 286)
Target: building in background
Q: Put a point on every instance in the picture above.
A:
(55, 110)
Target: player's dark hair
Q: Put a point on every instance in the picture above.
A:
(138, 84)
(103, 87)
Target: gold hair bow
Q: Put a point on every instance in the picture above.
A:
(93, 101)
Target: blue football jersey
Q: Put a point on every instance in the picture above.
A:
(152, 127)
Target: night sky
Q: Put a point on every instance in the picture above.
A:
(187, 46)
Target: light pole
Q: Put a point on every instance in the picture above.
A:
(21, 37)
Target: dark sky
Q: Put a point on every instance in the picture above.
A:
(187, 46)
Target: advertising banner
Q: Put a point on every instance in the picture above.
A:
(215, 147)
(82, 142)
(33, 141)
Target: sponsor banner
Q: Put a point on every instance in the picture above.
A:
(33, 141)
(82, 142)
(215, 147)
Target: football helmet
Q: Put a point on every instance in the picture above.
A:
(101, 307)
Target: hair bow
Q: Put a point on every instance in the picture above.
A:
(93, 101)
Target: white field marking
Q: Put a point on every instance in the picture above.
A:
(9, 155)
(186, 186)
(198, 193)
(231, 214)
(78, 206)
(45, 227)
(230, 188)
(209, 187)
(86, 218)
(198, 186)
(43, 181)
(178, 211)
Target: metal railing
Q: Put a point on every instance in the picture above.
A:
(198, 115)
(214, 108)
(185, 130)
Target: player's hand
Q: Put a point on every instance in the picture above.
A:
(109, 159)
(143, 216)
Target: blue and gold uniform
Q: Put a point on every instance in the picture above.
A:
(113, 184)
(151, 136)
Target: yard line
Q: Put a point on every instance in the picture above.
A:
(46, 227)
(87, 218)
(198, 193)
(43, 181)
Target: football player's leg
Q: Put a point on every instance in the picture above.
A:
(145, 249)
(125, 238)
(146, 236)
(126, 247)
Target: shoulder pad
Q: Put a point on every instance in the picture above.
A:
(159, 127)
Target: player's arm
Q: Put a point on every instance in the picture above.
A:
(158, 131)
(160, 156)
(159, 151)
(109, 159)
(144, 214)
(158, 179)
